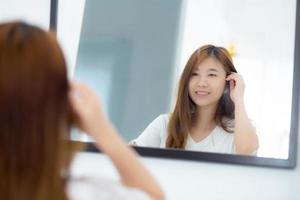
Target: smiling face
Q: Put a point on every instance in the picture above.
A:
(207, 82)
(201, 84)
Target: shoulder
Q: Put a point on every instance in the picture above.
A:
(154, 135)
(164, 118)
(90, 188)
(161, 121)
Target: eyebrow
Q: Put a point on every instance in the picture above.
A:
(210, 70)
(214, 70)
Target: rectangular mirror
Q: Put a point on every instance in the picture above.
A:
(133, 53)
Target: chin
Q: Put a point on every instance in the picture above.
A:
(205, 103)
(201, 104)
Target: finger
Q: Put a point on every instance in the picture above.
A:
(76, 102)
(85, 93)
(236, 77)
(231, 77)
(77, 94)
(231, 85)
(80, 88)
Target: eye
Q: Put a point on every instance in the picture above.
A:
(194, 74)
(212, 75)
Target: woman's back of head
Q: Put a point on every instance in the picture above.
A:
(35, 114)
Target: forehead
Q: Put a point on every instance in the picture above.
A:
(210, 64)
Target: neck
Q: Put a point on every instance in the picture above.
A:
(205, 117)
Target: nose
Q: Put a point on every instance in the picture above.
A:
(202, 82)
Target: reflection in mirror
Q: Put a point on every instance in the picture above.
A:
(209, 113)
(134, 52)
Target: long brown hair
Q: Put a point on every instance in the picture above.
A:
(35, 114)
(182, 118)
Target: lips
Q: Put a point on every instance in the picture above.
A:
(202, 93)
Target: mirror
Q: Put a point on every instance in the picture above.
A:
(133, 53)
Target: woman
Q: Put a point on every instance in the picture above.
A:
(38, 106)
(209, 114)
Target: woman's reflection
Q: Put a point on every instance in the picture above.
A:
(209, 114)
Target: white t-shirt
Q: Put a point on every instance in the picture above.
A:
(155, 135)
(91, 188)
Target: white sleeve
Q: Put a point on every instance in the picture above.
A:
(91, 188)
(152, 135)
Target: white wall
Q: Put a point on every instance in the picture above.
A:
(69, 29)
(180, 179)
(186, 180)
(33, 11)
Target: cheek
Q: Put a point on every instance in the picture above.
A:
(192, 80)
(191, 84)
(219, 87)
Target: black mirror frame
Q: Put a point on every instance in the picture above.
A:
(289, 163)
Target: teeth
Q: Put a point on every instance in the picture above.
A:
(202, 92)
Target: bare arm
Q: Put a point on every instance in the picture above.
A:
(131, 170)
(245, 138)
(92, 120)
